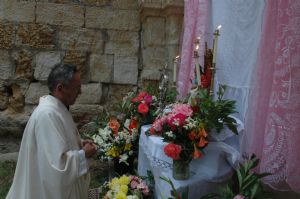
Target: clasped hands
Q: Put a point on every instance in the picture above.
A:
(89, 147)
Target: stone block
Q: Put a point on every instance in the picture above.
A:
(173, 29)
(125, 4)
(24, 64)
(154, 58)
(122, 43)
(16, 101)
(60, 14)
(84, 113)
(44, 62)
(34, 92)
(6, 67)
(78, 59)
(152, 35)
(80, 39)
(12, 10)
(3, 100)
(90, 94)
(125, 70)
(7, 34)
(35, 35)
(101, 68)
(97, 2)
(115, 95)
(104, 18)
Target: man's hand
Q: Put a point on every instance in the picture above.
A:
(89, 148)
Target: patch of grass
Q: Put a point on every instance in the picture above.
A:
(7, 170)
(99, 174)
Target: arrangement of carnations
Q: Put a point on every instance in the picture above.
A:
(141, 107)
(126, 187)
(186, 136)
(186, 127)
(116, 141)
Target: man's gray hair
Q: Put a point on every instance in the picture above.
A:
(60, 74)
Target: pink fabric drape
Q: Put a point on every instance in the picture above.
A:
(196, 16)
(273, 120)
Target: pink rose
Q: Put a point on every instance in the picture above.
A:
(148, 99)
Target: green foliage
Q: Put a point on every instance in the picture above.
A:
(214, 114)
(7, 170)
(244, 182)
(171, 95)
(174, 193)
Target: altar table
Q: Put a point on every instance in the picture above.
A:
(206, 174)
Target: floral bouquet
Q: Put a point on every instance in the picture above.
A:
(141, 107)
(185, 134)
(116, 142)
(126, 187)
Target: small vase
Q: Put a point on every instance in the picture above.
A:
(181, 169)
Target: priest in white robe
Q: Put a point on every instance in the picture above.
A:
(52, 161)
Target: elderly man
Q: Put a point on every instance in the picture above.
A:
(52, 161)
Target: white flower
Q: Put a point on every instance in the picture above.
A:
(123, 158)
(132, 197)
(169, 133)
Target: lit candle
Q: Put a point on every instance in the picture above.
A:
(215, 43)
(196, 56)
(175, 68)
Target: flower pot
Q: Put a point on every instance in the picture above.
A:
(181, 169)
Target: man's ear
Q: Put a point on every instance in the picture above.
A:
(59, 87)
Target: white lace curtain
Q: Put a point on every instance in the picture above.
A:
(260, 38)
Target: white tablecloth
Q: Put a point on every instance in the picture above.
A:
(207, 173)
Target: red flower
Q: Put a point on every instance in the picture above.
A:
(204, 81)
(142, 94)
(143, 108)
(137, 99)
(133, 124)
(173, 151)
(180, 118)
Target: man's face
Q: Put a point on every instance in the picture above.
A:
(72, 90)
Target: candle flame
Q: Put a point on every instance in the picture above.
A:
(177, 57)
(219, 27)
(197, 47)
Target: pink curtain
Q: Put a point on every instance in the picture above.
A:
(196, 16)
(273, 120)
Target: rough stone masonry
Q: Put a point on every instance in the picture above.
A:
(118, 45)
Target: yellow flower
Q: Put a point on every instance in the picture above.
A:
(124, 189)
(120, 195)
(127, 147)
(113, 152)
(124, 180)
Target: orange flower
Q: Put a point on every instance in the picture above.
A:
(114, 125)
(192, 135)
(202, 142)
(202, 133)
(197, 153)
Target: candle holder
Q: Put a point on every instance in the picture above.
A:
(196, 57)
(163, 88)
(212, 80)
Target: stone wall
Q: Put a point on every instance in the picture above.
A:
(118, 45)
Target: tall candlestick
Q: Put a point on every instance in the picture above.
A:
(215, 43)
(196, 56)
(175, 68)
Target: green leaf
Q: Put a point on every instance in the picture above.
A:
(240, 179)
(254, 190)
